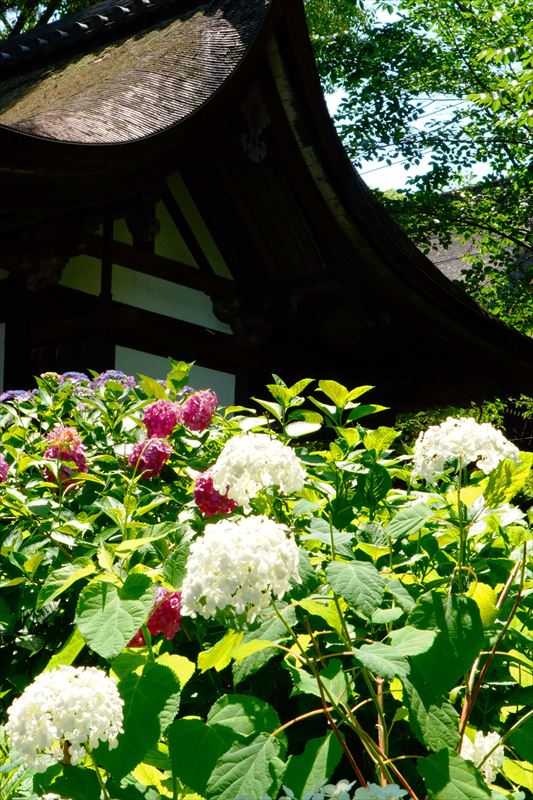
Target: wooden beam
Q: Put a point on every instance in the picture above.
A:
(158, 266)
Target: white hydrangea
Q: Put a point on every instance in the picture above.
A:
(374, 792)
(253, 461)
(324, 791)
(239, 565)
(476, 751)
(70, 707)
(462, 438)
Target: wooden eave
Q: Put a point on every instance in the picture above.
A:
(349, 296)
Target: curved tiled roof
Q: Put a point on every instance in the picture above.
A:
(119, 72)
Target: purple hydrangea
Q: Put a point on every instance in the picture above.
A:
(165, 617)
(149, 457)
(209, 501)
(73, 377)
(15, 395)
(160, 419)
(116, 375)
(198, 409)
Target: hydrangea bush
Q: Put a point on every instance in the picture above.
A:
(270, 604)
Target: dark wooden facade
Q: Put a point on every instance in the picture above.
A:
(171, 182)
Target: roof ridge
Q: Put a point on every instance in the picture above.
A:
(93, 22)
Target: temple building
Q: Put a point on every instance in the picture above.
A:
(171, 184)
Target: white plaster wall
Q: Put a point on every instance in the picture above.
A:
(135, 361)
(164, 297)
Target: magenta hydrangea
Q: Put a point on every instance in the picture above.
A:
(149, 457)
(197, 411)
(160, 419)
(4, 469)
(165, 616)
(209, 501)
(65, 445)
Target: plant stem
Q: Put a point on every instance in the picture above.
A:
(105, 794)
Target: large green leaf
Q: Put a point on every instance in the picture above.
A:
(70, 650)
(315, 765)
(433, 720)
(412, 642)
(244, 715)
(506, 480)
(380, 439)
(458, 642)
(408, 521)
(74, 782)
(383, 660)
(332, 678)
(108, 616)
(151, 701)
(359, 583)
(449, 777)
(59, 580)
(271, 629)
(194, 749)
(246, 770)
(377, 484)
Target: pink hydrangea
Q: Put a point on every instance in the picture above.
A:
(149, 457)
(165, 616)
(197, 410)
(65, 445)
(160, 419)
(209, 501)
(4, 469)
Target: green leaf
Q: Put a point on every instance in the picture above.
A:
(400, 594)
(75, 782)
(182, 668)
(377, 484)
(408, 521)
(108, 617)
(353, 394)
(518, 772)
(359, 583)
(152, 388)
(332, 678)
(365, 411)
(449, 777)
(314, 766)
(411, 641)
(459, 640)
(383, 660)
(245, 771)
(506, 480)
(151, 701)
(382, 616)
(194, 748)
(485, 598)
(335, 392)
(522, 740)
(320, 530)
(271, 629)
(243, 714)
(380, 439)
(70, 650)
(433, 720)
(301, 428)
(59, 580)
(174, 565)
(220, 655)
(273, 408)
(325, 610)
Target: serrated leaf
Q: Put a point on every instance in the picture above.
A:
(433, 720)
(506, 480)
(408, 521)
(61, 579)
(335, 392)
(365, 411)
(151, 701)
(449, 777)
(194, 748)
(382, 616)
(411, 641)
(380, 439)
(377, 484)
(174, 566)
(325, 610)
(332, 678)
(108, 616)
(182, 668)
(400, 594)
(485, 598)
(383, 660)
(220, 655)
(75, 782)
(152, 388)
(518, 772)
(271, 629)
(359, 583)
(314, 766)
(320, 530)
(245, 771)
(243, 714)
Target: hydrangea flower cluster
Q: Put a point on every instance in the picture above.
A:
(73, 377)
(15, 395)
(164, 618)
(4, 469)
(65, 445)
(197, 411)
(209, 501)
(254, 461)
(71, 707)
(160, 419)
(149, 457)
(375, 792)
(464, 439)
(115, 375)
(477, 750)
(239, 565)
(335, 791)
